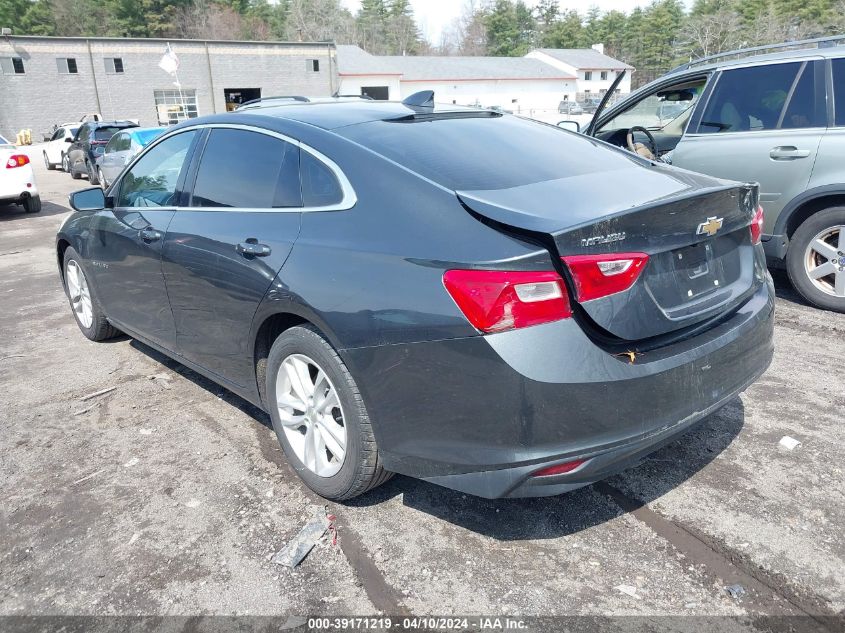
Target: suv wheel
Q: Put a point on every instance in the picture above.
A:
(815, 260)
(65, 164)
(92, 174)
(50, 166)
(320, 418)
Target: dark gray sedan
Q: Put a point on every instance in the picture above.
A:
(488, 303)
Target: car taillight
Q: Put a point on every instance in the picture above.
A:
(598, 276)
(17, 160)
(498, 300)
(757, 226)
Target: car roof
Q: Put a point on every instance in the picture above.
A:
(111, 124)
(336, 114)
(750, 60)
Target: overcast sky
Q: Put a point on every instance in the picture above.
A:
(434, 15)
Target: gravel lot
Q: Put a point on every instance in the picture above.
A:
(167, 495)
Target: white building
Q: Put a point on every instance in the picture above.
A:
(594, 71)
(533, 85)
(518, 84)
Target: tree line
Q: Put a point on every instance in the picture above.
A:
(651, 38)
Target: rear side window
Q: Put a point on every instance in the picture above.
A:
(753, 98)
(248, 170)
(839, 90)
(483, 152)
(320, 187)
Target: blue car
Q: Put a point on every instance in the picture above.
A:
(122, 148)
(485, 302)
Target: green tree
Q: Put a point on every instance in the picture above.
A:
(566, 32)
(38, 19)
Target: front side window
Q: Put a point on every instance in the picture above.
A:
(153, 179)
(174, 106)
(749, 99)
(247, 170)
(112, 144)
(84, 133)
(659, 109)
(58, 134)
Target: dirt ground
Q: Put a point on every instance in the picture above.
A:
(168, 495)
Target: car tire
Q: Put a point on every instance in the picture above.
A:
(92, 174)
(50, 166)
(32, 204)
(828, 226)
(360, 469)
(75, 174)
(92, 321)
(102, 179)
(65, 163)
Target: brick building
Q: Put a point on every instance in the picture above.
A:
(53, 80)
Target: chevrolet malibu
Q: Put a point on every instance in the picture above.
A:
(490, 304)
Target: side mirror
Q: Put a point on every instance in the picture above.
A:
(92, 199)
(68, 140)
(572, 126)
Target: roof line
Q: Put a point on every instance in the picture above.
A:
(169, 39)
(491, 79)
(369, 74)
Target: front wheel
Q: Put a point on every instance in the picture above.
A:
(102, 179)
(86, 309)
(50, 166)
(815, 260)
(92, 175)
(320, 418)
(65, 164)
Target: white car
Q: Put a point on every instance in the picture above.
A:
(55, 150)
(17, 180)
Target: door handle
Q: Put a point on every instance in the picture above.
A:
(788, 152)
(251, 248)
(149, 235)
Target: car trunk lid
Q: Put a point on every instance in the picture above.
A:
(693, 228)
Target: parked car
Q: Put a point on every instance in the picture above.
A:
(400, 295)
(591, 104)
(89, 144)
(569, 107)
(17, 180)
(777, 119)
(55, 150)
(120, 149)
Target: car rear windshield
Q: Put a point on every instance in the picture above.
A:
(479, 153)
(105, 133)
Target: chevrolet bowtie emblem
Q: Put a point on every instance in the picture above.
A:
(711, 227)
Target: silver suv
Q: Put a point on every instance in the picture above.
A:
(774, 118)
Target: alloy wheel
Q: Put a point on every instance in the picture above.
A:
(46, 160)
(311, 415)
(65, 163)
(80, 296)
(824, 261)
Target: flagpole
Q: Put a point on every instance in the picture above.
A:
(179, 85)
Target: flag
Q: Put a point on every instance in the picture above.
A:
(169, 62)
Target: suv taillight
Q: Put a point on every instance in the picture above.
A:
(498, 300)
(757, 226)
(597, 276)
(17, 160)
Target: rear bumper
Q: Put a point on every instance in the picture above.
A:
(775, 246)
(482, 414)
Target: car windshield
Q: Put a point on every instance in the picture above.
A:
(477, 153)
(656, 111)
(144, 137)
(105, 133)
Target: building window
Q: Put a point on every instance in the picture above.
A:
(67, 65)
(11, 65)
(174, 106)
(114, 65)
(379, 93)
(588, 75)
(313, 65)
(604, 75)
